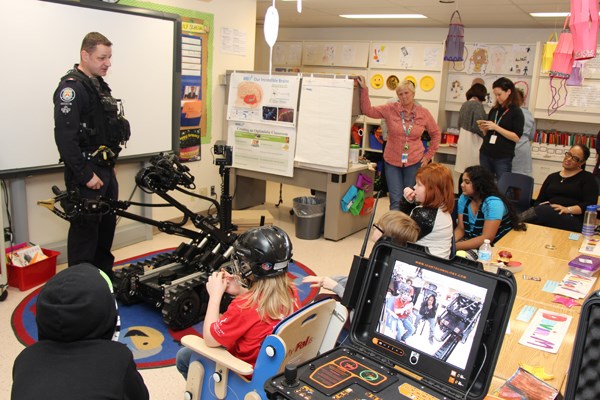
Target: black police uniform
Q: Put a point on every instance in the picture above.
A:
(88, 130)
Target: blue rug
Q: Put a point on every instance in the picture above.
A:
(143, 330)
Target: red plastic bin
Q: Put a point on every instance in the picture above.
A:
(34, 274)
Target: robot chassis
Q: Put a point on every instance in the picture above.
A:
(457, 322)
(174, 282)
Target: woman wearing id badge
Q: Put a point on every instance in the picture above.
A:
(404, 153)
(502, 130)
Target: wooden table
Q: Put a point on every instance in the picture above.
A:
(542, 241)
(512, 354)
(546, 269)
(544, 253)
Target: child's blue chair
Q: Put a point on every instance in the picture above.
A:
(303, 335)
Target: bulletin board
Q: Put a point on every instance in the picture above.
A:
(287, 54)
(488, 62)
(458, 85)
(340, 54)
(581, 103)
(496, 58)
(407, 55)
(390, 63)
(196, 69)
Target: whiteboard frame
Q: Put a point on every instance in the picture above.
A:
(170, 144)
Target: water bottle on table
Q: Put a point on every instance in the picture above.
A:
(484, 255)
(589, 221)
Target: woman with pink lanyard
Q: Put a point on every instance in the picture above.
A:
(502, 130)
(404, 153)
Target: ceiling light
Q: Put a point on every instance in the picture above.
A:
(549, 14)
(382, 16)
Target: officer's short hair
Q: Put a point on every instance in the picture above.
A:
(93, 39)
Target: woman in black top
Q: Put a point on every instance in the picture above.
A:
(503, 129)
(427, 312)
(565, 195)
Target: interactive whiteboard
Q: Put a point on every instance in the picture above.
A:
(43, 40)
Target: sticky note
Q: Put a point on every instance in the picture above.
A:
(574, 236)
(550, 286)
(526, 313)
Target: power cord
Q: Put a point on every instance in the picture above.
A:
(478, 372)
(214, 396)
(8, 216)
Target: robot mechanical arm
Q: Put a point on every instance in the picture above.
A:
(165, 173)
(173, 282)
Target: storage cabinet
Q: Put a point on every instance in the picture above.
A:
(369, 134)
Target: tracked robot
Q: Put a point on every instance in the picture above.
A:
(174, 282)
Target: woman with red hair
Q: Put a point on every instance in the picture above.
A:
(430, 204)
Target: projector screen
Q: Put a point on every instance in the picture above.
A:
(42, 41)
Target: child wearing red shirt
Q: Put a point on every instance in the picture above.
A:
(264, 295)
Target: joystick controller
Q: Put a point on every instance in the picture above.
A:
(290, 376)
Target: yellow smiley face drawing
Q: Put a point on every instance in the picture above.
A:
(377, 81)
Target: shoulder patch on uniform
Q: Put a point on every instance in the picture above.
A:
(67, 95)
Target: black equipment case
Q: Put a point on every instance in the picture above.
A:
(583, 381)
(462, 313)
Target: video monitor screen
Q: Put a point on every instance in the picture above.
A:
(431, 317)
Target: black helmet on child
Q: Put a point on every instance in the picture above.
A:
(261, 252)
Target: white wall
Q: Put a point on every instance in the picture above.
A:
(243, 19)
(50, 231)
(492, 35)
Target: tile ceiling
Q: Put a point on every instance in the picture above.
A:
(474, 13)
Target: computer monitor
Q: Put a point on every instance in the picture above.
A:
(410, 291)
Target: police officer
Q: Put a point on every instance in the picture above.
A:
(89, 129)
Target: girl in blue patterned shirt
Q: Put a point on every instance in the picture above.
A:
(483, 213)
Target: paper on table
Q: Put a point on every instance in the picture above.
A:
(590, 246)
(575, 286)
(524, 385)
(546, 331)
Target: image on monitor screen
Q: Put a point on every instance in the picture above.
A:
(432, 313)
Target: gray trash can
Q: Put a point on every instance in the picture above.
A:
(309, 213)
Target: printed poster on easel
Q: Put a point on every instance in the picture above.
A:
(266, 99)
(264, 148)
(262, 114)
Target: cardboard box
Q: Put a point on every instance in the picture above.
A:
(34, 274)
(246, 219)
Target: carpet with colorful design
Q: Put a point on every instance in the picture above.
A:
(143, 330)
